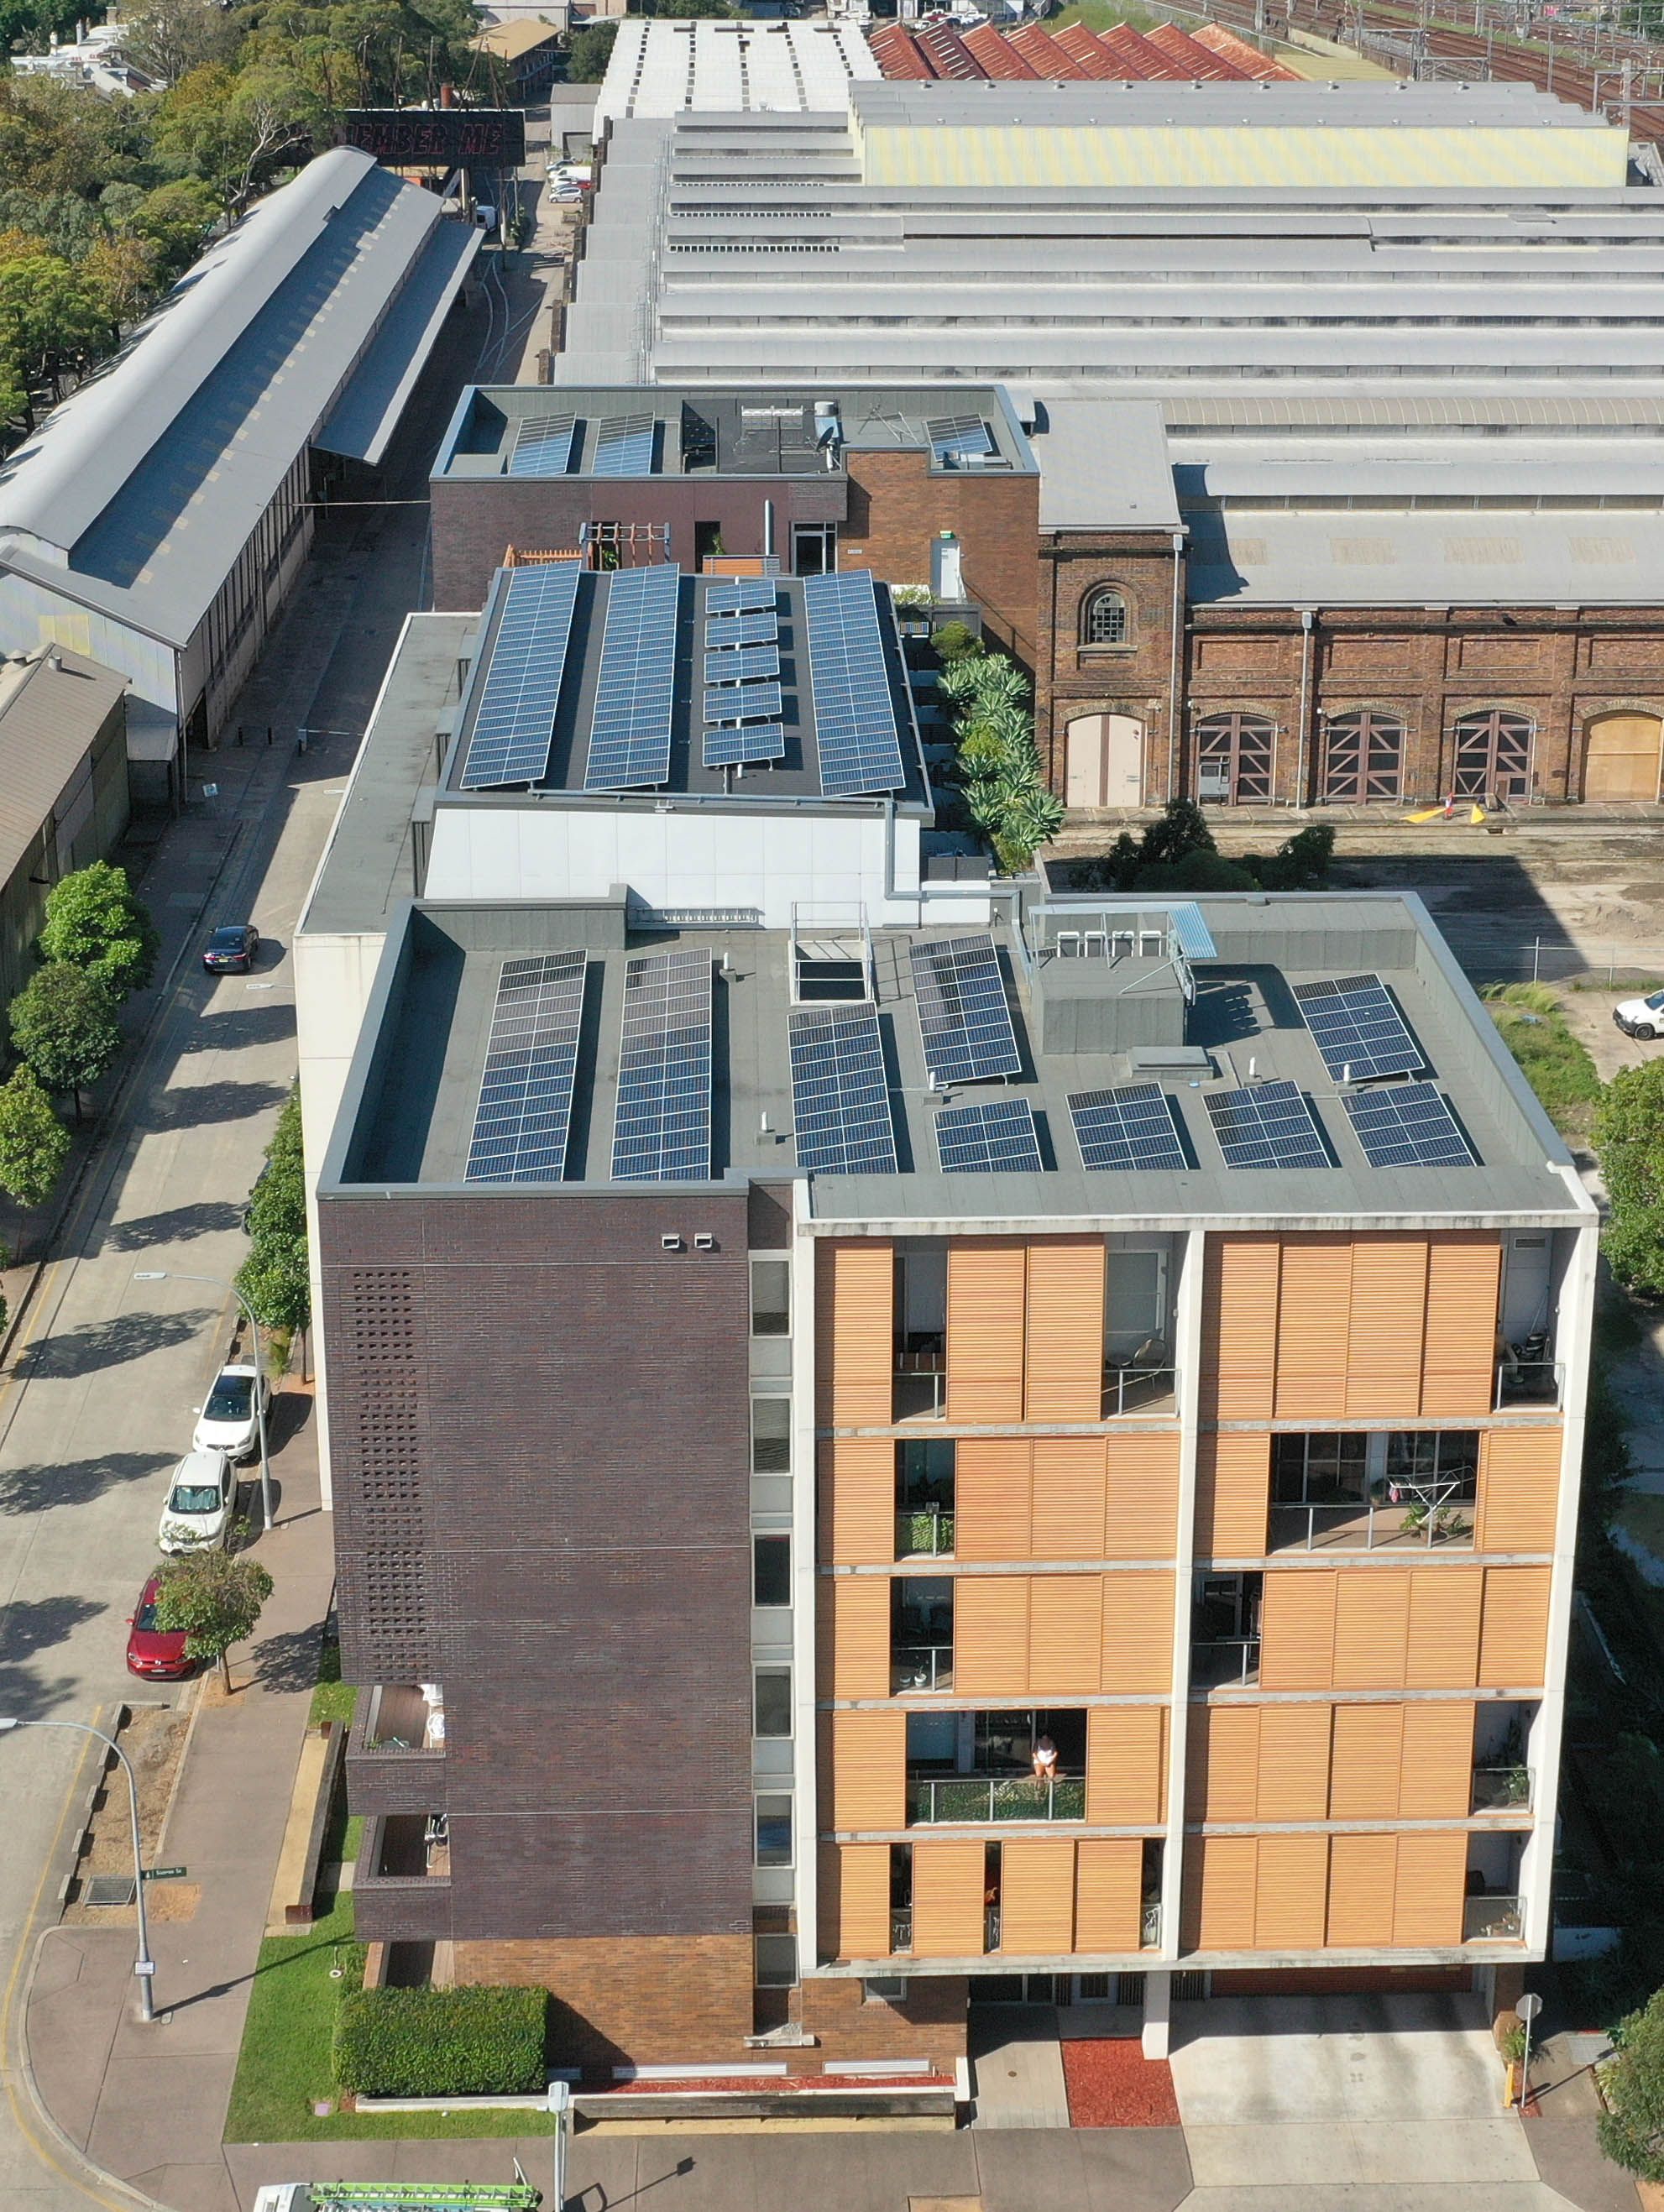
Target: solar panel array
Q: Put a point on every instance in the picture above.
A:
(743, 742)
(741, 595)
(1406, 1125)
(1136, 1126)
(514, 722)
(959, 437)
(840, 1093)
(963, 1014)
(1357, 1028)
(525, 1109)
(542, 446)
(996, 1136)
(661, 1130)
(629, 740)
(855, 729)
(741, 629)
(741, 664)
(1270, 1125)
(624, 446)
(732, 703)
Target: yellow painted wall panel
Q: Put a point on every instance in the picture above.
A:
(1066, 1626)
(1436, 1780)
(1464, 1279)
(991, 1636)
(1068, 1499)
(1362, 1879)
(1064, 1365)
(1513, 1628)
(1109, 1893)
(1037, 1895)
(1126, 1751)
(1371, 1628)
(861, 1472)
(869, 1771)
(1141, 1497)
(1387, 1325)
(863, 1901)
(1239, 1327)
(1429, 1887)
(861, 1635)
(1290, 1893)
(1296, 1630)
(987, 1276)
(1137, 1633)
(993, 1498)
(1519, 1488)
(948, 1886)
(1294, 1763)
(1233, 1489)
(1442, 1650)
(854, 1302)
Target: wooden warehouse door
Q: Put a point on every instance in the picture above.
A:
(1622, 755)
(1363, 757)
(1493, 756)
(1234, 758)
(1105, 760)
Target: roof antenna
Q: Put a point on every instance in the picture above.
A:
(762, 1125)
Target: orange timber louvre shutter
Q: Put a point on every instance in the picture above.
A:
(1137, 1633)
(1294, 1763)
(1109, 1893)
(854, 1332)
(1239, 1327)
(1429, 1887)
(991, 1636)
(993, 1494)
(1519, 1488)
(1063, 1362)
(859, 1611)
(1364, 1771)
(1141, 1497)
(1442, 1652)
(1464, 1276)
(1037, 1895)
(869, 1771)
(1126, 1765)
(1222, 1763)
(1513, 1628)
(948, 1886)
(1066, 1622)
(1233, 1491)
(1296, 1630)
(1436, 1780)
(1386, 1325)
(1371, 1626)
(1312, 1322)
(986, 1277)
(1292, 1879)
(858, 1474)
(1363, 1877)
(1068, 1498)
(863, 1901)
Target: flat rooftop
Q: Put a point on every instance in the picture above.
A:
(753, 430)
(1108, 1016)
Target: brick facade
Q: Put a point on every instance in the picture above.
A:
(929, 2023)
(641, 2000)
(897, 509)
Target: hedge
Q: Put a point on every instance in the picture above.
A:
(469, 2042)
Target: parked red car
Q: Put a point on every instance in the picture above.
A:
(155, 1653)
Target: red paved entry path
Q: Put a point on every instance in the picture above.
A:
(1111, 2084)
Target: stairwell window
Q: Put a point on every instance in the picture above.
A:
(1105, 618)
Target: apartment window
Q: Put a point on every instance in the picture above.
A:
(1135, 1308)
(777, 1961)
(773, 1831)
(771, 1435)
(772, 1701)
(771, 1571)
(884, 1989)
(771, 1297)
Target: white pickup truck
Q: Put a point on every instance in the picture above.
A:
(1641, 1018)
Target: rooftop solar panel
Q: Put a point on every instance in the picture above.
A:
(542, 446)
(996, 1137)
(747, 741)
(662, 1126)
(741, 595)
(1404, 1125)
(624, 446)
(731, 702)
(525, 1109)
(963, 1014)
(741, 665)
(630, 739)
(840, 1092)
(742, 629)
(1134, 1127)
(1270, 1125)
(959, 437)
(514, 722)
(855, 728)
(1357, 1028)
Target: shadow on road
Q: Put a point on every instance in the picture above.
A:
(75, 1482)
(203, 1103)
(241, 1027)
(29, 1625)
(176, 1223)
(109, 1344)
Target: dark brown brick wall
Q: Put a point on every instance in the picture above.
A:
(641, 2001)
(897, 508)
(540, 1423)
(930, 2025)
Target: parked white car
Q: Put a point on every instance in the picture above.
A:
(1641, 1018)
(201, 1498)
(230, 1422)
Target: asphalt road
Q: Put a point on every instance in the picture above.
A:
(101, 1396)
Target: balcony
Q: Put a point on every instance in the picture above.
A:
(1528, 1382)
(918, 1666)
(1149, 1925)
(921, 1385)
(1502, 1789)
(392, 1765)
(402, 1892)
(925, 1533)
(973, 1798)
(1137, 1388)
(1231, 1662)
(901, 1928)
(1350, 1524)
(1492, 1919)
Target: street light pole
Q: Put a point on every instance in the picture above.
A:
(218, 1282)
(144, 1966)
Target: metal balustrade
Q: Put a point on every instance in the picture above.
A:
(974, 1797)
(1502, 1789)
(1226, 1662)
(921, 1667)
(924, 1532)
(1492, 1920)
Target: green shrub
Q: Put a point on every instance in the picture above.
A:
(469, 2042)
(954, 641)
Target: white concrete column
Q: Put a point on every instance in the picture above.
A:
(1157, 2014)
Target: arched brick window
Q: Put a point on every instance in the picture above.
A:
(1105, 618)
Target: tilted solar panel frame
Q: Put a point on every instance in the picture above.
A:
(840, 1110)
(629, 739)
(993, 1136)
(856, 733)
(519, 691)
(760, 629)
(1406, 1125)
(544, 445)
(740, 744)
(661, 1130)
(1130, 1128)
(732, 702)
(523, 1117)
(1357, 1028)
(735, 595)
(741, 664)
(625, 446)
(964, 1014)
(1268, 1125)
(958, 437)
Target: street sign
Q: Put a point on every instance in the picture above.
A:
(1528, 2006)
(144, 1968)
(438, 137)
(164, 1874)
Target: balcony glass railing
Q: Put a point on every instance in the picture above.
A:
(921, 1667)
(1353, 1525)
(1491, 1920)
(921, 1385)
(995, 1797)
(924, 1532)
(1502, 1789)
(1528, 1382)
(1229, 1663)
(991, 1928)
(901, 1927)
(1139, 1389)
(1150, 1926)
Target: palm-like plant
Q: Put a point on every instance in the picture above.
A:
(1034, 817)
(957, 681)
(998, 683)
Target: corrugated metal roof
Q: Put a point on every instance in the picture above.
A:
(51, 707)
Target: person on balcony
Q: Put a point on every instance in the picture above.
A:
(1045, 1759)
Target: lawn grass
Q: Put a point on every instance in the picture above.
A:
(333, 1699)
(1555, 1063)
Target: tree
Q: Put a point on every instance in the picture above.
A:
(1180, 829)
(120, 273)
(215, 1598)
(1631, 2129)
(33, 1143)
(276, 1277)
(48, 316)
(167, 38)
(589, 52)
(94, 922)
(64, 1025)
(1629, 1142)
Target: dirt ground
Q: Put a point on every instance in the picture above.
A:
(154, 1740)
